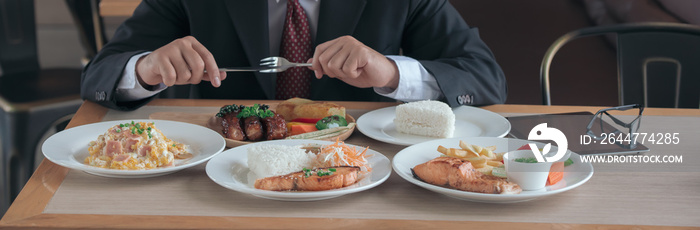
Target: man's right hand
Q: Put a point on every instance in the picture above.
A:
(180, 62)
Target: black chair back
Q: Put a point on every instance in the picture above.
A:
(18, 49)
(660, 68)
(657, 63)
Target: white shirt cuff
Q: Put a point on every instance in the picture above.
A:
(129, 88)
(415, 82)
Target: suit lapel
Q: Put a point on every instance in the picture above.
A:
(337, 18)
(251, 22)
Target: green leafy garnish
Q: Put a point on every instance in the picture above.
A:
(261, 111)
(526, 160)
(307, 172)
(568, 162)
(331, 122)
(320, 172)
(135, 128)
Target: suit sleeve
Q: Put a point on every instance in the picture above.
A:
(153, 24)
(464, 67)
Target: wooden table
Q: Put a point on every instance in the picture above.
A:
(611, 199)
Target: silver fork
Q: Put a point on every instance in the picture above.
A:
(279, 64)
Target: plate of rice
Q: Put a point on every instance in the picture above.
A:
(421, 121)
(239, 168)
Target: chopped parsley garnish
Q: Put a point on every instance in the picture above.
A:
(320, 172)
(135, 128)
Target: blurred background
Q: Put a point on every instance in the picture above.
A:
(518, 32)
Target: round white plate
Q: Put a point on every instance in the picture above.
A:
(574, 175)
(469, 122)
(69, 148)
(230, 170)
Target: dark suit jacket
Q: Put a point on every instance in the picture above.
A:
(236, 33)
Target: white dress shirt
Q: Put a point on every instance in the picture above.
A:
(415, 83)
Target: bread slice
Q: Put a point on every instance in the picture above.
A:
(305, 108)
(425, 118)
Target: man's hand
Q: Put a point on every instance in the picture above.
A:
(180, 62)
(349, 60)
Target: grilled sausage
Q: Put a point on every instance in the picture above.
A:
(232, 127)
(253, 128)
(275, 127)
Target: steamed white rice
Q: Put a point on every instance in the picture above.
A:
(425, 118)
(266, 160)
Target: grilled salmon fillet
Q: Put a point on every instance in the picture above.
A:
(298, 181)
(460, 174)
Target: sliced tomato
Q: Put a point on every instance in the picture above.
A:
(307, 120)
(524, 147)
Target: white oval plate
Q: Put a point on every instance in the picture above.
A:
(574, 175)
(230, 170)
(69, 148)
(469, 122)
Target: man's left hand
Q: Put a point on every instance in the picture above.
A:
(349, 60)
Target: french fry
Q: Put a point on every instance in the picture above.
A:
(499, 156)
(477, 162)
(467, 147)
(477, 149)
(463, 145)
(459, 153)
(494, 163)
(483, 159)
(442, 149)
(488, 153)
(485, 170)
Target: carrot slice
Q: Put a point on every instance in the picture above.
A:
(301, 128)
(556, 173)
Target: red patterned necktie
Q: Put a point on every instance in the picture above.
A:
(296, 47)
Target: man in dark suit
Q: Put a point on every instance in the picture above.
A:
(356, 42)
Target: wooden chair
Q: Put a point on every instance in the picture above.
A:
(657, 63)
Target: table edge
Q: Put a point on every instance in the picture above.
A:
(86, 221)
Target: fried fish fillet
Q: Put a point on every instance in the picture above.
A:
(299, 181)
(460, 174)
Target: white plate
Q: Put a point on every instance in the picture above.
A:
(69, 148)
(469, 122)
(574, 175)
(230, 170)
